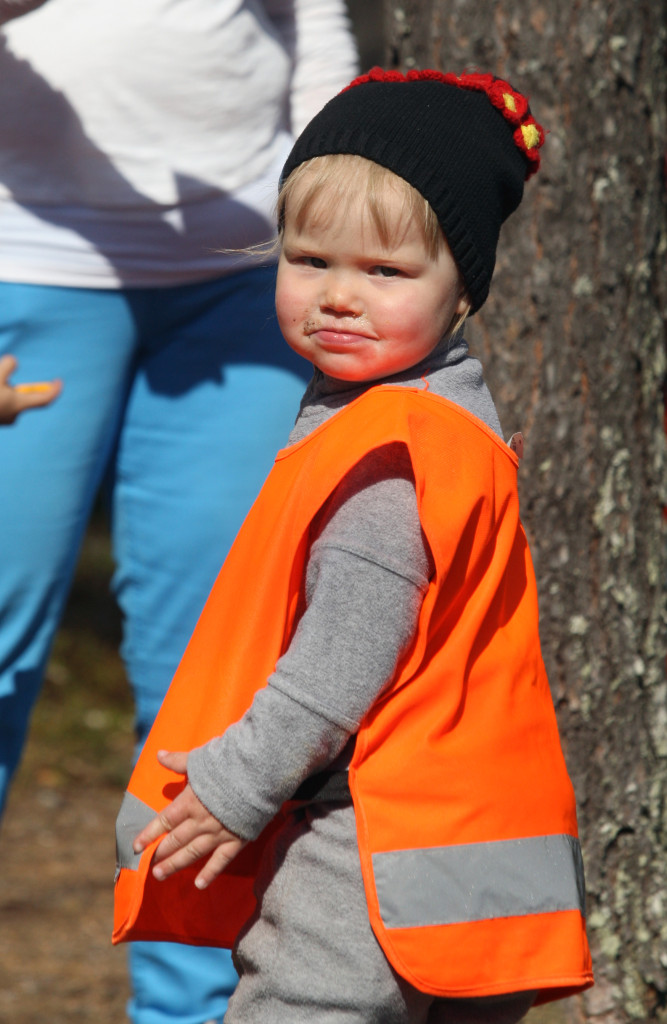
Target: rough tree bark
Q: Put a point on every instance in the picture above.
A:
(573, 339)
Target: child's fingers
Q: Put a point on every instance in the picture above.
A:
(218, 861)
(174, 813)
(155, 828)
(176, 852)
(182, 820)
(174, 760)
(186, 836)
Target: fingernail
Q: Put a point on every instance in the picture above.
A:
(158, 873)
(200, 883)
(138, 847)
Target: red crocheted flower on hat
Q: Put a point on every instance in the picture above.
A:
(528, 134)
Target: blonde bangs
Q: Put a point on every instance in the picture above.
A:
(326, 186)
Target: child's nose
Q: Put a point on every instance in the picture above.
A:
(340, 296)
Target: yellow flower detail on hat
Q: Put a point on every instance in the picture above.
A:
(531, 135)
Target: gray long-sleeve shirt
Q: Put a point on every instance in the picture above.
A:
(366, 576)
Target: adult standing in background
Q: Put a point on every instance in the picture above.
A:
(139, 144)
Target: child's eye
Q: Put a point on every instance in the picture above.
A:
(386, 271)
(314, 261)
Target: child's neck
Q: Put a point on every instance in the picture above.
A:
(326, 395)
(446, 351)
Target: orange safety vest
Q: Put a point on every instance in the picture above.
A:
(465, 814)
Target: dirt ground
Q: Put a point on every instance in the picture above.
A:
(57, 963)
(57, 837)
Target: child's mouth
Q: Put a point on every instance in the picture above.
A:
(332, 339)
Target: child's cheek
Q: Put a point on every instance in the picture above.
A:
(285, 307)
(394, 323)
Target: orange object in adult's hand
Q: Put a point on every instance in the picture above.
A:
(34, 387)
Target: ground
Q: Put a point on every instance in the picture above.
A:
(56, 960)
(56, 842)
(57, 963)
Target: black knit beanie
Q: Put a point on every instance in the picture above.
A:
(467, 143)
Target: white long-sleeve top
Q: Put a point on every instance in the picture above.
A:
(137, 139)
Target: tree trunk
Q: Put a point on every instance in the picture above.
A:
(574, 344)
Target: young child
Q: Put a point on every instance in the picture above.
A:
(376, 811)
(17, 399)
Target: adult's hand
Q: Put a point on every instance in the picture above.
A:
(15, 400)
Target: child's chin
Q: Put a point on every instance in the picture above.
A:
(348, 370)
(349, 376)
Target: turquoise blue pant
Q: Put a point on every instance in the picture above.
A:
(180, 397)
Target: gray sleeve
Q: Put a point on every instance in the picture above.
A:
(367, 573)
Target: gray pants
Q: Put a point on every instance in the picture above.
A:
(309, 955)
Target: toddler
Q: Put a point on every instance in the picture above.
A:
(356, 777)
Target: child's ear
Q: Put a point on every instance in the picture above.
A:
(463, 305)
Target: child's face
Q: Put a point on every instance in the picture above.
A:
(357, 309)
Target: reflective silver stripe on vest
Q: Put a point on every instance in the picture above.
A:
(479, 881)
(133, 816)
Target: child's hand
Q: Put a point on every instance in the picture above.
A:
(15, 400)
(192, 832)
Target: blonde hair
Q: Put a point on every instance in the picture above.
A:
(324, 186)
